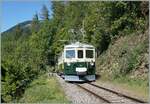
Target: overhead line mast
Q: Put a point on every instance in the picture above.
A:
(83, 31)
(75, 35)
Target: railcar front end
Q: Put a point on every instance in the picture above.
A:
(79, 62)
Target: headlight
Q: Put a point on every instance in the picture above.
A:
(68, 64)
(92, 63)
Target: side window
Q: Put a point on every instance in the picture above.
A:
(80, 53)
(89, 54)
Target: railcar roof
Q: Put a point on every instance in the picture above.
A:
(78, 44)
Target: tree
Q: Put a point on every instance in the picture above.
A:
(18, 32)
(44, 13)
(35, 23)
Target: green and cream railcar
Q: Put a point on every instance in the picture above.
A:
(77, 62)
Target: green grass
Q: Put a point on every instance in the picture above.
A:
(44, 90)
(137, 87)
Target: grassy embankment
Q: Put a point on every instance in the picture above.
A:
(125, 63)
(136, 87)
(44, 90)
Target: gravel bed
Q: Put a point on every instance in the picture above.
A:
(77, 95)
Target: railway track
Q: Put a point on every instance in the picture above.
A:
(105, 100)
(120, 94)
(108, 95)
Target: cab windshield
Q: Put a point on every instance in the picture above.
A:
(70, 53)
(80, 53)
(89, 54)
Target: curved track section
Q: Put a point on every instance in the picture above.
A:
(107, 95)
(119, 94)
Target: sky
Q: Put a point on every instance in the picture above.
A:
(17, 11)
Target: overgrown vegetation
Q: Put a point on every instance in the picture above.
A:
(128, 63)
(126, 55)
(44, 90)
(28, 50)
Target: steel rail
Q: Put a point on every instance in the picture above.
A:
(94, 94)
(118, 93)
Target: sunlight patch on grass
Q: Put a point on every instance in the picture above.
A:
(44, 90)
